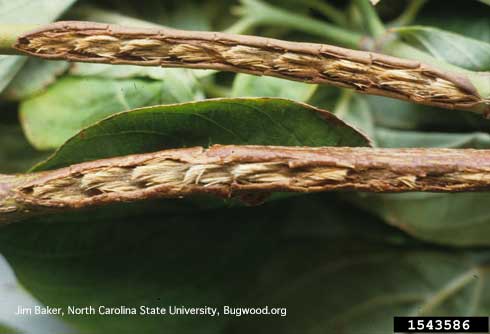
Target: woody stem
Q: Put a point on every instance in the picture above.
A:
(230, 171)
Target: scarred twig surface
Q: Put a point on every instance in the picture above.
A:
(237, 171)
(366, 72)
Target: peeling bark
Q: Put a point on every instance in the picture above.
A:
(237, 171)
(366, 72)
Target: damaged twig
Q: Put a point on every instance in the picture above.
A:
(235, 171)
(366, 72)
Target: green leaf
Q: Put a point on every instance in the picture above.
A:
(355, 110)
(453, 48)
(35, 76)
(108, 71)
(473, 24)
(255, 86)
(4, 329)
(99, 90)
(26, 12)
(454, 219)
(183, 81)
(189, 16)
(458, 219)
(254, 121)
(329, 265)
(391, 113)
(9, 66)
(395, 139)
(73, 103)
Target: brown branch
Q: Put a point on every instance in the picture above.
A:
(366, 72)
(235, 171)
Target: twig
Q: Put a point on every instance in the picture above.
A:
(366, 72)
(238, 171)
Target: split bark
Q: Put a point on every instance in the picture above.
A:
(366, 72)
(238, 171)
